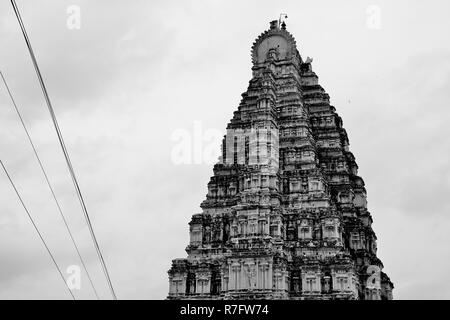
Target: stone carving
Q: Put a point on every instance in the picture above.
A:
(285, 216)
(251, 276)
(273, 54)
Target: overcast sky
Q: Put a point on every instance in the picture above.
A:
(138, 71)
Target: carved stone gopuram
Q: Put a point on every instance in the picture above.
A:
(286, 215)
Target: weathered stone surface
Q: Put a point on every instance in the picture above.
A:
(286, 215)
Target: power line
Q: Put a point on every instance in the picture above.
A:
(37, 230)
(64, 149)
(49, 184)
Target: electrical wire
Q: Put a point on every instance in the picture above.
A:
(64, 149)
(37, 230)
(49, 184)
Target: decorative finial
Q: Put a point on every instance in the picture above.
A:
(282, 20)
(274, 24)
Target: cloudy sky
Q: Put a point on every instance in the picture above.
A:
(135, 73)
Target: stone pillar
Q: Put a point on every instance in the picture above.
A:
(277, 280)
(263, 274)
(241, 276)
(171, 285)
(235, 274)
(270, 282)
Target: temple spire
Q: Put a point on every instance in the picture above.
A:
(285, 215)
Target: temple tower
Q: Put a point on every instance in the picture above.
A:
(285, 215)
